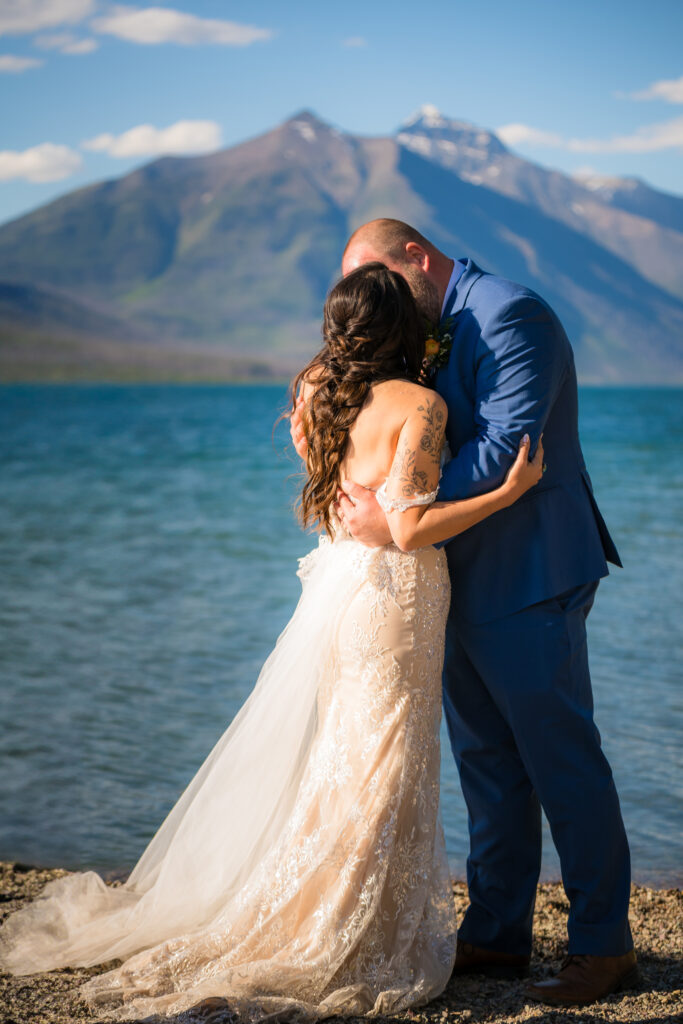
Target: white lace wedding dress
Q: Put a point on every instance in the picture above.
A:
(304, 867)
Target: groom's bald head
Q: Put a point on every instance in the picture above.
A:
(402, 248)
(383, 237)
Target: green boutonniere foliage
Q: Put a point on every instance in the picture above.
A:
(437, 346)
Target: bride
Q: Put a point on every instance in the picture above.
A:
(304, 866)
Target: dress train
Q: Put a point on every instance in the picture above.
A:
(304, 867)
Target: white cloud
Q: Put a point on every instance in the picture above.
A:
(12, 65)
(355, 41)
(65, 42)
(146, 140)
(46, 162)
(514, 134)
(151, 25)
(20, 16)
(649, 139)
(669, 89)
(81, 46)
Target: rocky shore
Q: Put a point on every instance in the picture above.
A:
(656, 918)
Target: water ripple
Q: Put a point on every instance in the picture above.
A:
(147, 556)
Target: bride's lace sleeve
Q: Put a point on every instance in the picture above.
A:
(402, 504)
(416, 468)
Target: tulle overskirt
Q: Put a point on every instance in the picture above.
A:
(304, 865)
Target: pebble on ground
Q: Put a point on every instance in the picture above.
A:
(656, 921)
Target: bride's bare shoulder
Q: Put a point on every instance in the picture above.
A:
(404, 397)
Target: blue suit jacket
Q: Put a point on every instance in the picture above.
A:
(511, 371)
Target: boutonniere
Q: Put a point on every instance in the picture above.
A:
(438, 346)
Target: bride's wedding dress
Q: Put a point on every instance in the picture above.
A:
(304, 867)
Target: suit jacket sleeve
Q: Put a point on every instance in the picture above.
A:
(521, 360)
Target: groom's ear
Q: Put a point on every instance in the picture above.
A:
(417, 255)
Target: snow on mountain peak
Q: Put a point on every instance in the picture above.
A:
(305, 130)
(429, 128)
(431, 115)
(428, 115)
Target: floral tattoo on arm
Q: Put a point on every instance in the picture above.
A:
(412, 466)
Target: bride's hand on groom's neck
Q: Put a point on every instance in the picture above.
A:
(361, 515)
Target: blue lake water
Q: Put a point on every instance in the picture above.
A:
(147, 563)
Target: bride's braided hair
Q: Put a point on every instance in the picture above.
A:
(372, 332)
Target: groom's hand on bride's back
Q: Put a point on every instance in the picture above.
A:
(361, 515)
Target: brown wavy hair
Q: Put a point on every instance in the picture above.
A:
(372, 331)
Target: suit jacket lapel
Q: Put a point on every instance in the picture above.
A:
(459, 295)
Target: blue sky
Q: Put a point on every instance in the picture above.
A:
(90, 89)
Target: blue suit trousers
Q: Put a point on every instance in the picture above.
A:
(519, 711)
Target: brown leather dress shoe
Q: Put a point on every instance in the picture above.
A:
(585, 979)
(471, 959)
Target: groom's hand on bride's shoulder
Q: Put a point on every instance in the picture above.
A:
(361, 515)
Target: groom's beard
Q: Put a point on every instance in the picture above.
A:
(425, 293)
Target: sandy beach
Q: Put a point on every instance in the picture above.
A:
(656, 919)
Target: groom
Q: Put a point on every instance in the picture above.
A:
(517, 690)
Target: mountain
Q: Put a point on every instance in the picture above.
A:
(636, 223)
(45, 334)
(33, 307)
(237, 248)
(636, 196)
(228, 257)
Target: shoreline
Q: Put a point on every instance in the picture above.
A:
(658, 880)
(656, 921)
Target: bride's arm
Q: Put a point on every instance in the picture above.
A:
(415, 474)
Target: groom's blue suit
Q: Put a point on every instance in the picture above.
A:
(517, 690)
